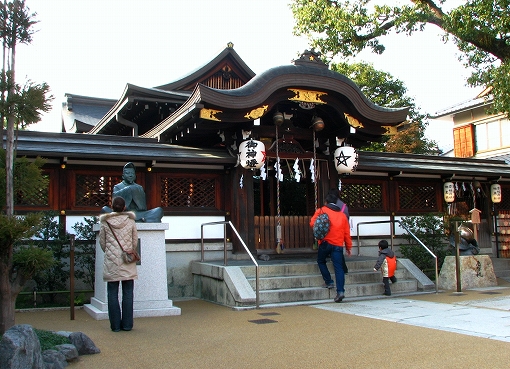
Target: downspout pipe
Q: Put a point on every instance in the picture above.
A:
(127, 123)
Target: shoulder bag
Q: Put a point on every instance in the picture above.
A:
(128, 257)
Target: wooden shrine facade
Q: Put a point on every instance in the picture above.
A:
(81, 178)
(184, 139)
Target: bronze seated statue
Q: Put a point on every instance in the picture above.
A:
(134, 195)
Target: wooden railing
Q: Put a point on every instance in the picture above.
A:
(296, 232)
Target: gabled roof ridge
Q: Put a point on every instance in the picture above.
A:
(89, 99)
(229, 50)
(182, 110)
(128, 90)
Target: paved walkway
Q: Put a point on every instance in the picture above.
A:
(447, 329)
(487, 317)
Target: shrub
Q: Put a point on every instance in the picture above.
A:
(85, 256)
(49, 339)
(429, 229)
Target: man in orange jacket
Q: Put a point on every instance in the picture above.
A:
(333, 243)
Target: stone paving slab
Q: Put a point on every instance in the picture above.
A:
(489, 318)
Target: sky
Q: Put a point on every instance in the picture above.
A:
(95, 47)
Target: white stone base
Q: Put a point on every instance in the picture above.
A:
(99, 310)
(475, 271)
(151, 290)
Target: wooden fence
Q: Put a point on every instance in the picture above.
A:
(296, 232)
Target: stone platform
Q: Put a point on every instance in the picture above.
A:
(151, 289)
(475, 271)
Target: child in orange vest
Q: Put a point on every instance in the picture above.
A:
(387, 262)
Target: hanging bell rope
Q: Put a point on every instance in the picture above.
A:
(279, 242)
(315, 176)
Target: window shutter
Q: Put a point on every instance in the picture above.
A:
(464, 141)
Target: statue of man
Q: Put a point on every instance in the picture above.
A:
(134, 195)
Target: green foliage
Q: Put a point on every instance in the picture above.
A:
(28, 177)
(52, 237)
(429, 229)
(30, 102)
(480, 29)
(384, 90)
(85, 256)
(13, 229)
(31, 259)
(49, 339)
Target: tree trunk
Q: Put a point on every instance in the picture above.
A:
(9, 168)
(9, 150)
(7, 300)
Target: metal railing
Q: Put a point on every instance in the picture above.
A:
(225, 259)
(391, 237)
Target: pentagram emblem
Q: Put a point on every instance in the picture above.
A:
(342, 159)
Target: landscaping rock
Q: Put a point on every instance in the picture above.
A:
(83, 343)
(20, 348)
(70, 352)
(54, 359)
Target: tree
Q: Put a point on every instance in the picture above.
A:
(384, 90)
(19, 261)
(479, 28)
(19, 107)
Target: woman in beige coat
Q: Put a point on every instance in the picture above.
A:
(115, 271)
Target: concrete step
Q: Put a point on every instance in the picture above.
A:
(291, 282)
(501, 267)
(313, 278)
(320, 293)
(303, 268)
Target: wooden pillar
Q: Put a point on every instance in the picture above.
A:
(243, 208)
(324, 184)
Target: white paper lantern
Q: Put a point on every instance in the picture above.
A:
(346, 159)
(496, 193)
(449, 192)
(252, 154)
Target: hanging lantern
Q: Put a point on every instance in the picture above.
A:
(496, 193)
(449, 192)
(346, 159)
(252, 154)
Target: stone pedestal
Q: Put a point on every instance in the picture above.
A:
(475, 271)
(151, 290)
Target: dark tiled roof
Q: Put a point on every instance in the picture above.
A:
(81, 113)
(425, 164)
(112, 148)
(505, 157)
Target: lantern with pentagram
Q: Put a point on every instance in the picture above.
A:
(346, 159)
(252, 154)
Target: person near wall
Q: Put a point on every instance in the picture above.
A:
(117, 233)
(338, 237)
(387, 262)
(134, 196)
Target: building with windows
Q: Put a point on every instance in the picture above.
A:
(477, 134)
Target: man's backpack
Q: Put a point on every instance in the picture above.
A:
(321, 226)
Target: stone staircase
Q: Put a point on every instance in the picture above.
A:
(293, 282)
(501, 267)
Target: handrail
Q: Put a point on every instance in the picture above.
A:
(411, 233)
(202, 252)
